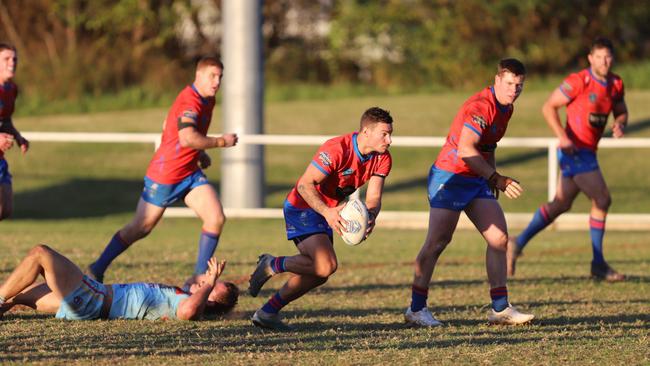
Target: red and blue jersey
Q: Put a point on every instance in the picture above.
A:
(482, 114)
(346, 170)
(590, 102)
(8, 95)
(172, 162)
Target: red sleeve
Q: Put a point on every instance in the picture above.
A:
(328, 158)
(475, 118)
(619, 89)
(384, 165)
(188, 108)
(572, 86)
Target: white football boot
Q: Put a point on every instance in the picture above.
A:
(509, 316)
(421, 318)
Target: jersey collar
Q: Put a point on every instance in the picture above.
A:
(204, 101)
(603, 83)
(361, 157)
(502, 108)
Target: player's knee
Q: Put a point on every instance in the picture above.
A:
(40, 251)
(499, 242)
(563, 206)
(326, 268)
(603, 202)
(216, 222)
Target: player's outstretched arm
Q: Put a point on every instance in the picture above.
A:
(192, 307)
(373, 200)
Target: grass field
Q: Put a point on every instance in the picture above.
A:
(74, 196)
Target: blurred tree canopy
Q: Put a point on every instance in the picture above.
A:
(69, 48)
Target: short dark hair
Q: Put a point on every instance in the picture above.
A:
(7, 46)
(224, 304)
(375, 115)
(511, 65)
(601, 42)
(206, 61)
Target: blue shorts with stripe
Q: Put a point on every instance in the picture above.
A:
(163, 195)
(84, 303)
(5, 176)
(455, 191)
(304, 221)
(581, 161)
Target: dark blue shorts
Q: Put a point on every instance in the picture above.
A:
(454, 191)
(5, 176)
(163, 195)
(304, 221)
(581, 161)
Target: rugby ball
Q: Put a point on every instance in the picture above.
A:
(356, 214)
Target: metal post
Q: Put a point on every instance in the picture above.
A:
(242, 167)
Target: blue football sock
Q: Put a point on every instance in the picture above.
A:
(114, 248)
(207, 246)
(597, 230)
(275, 304)
(499, 297)
(419, 297)
(538, 223)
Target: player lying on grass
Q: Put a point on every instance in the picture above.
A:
(71, 295)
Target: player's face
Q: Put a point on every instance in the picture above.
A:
(379, 136)
(601, 60)
(8, 63)
(209, 80)
(217, 291)
(508, 87)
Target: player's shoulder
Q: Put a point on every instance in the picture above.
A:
(615, 79)
(341, 142)
(480, 103)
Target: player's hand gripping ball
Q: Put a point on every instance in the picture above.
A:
(355, 213)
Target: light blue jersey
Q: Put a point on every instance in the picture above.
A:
(145, 301)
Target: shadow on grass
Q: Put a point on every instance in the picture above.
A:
(78, 198)
(343, 329)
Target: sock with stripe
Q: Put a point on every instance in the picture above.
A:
(499, 297)
(275, 304)
(278, 265)
(114, 248)
(419, 297)
(540, 221)
(207, 245)
(597, 231)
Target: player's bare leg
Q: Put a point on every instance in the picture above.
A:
(594, 186)
(205, 203)
(442, 224)
(567, 191)
(6, 201)
(38, 296)
(61, 275)
(487, 216)
(311, 268)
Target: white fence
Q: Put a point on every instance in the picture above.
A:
(407, 219)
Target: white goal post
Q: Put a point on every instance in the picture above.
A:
(405, 219)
